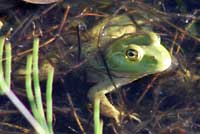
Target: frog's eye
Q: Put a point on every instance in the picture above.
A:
(132, 54)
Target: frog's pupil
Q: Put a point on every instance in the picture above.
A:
(132, 53)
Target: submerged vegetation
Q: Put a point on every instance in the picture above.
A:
(39, 123)
(166, 102)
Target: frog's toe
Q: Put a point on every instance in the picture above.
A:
(132, 116)
(135, 117)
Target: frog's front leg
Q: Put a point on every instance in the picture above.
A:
(99, 91)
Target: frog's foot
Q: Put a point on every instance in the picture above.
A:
(133, 116)
(109, 110)
(123, 115)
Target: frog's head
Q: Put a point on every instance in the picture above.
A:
(138, 55)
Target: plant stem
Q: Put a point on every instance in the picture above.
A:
(13, 98)
(49, 112)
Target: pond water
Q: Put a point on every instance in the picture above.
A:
(166, 102)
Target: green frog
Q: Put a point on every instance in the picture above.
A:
(128, 54)
(117, 54)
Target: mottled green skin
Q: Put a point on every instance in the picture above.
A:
(129, 56)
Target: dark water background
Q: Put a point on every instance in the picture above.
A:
(170, 104)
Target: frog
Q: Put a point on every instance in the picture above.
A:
(129, 54)
(117, 53)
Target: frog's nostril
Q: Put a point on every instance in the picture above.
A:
(153, 58)
(160, 62)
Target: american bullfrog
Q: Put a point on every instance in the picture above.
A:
(124, 54)
(128, 53)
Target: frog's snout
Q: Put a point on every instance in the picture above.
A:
(164, 61)
(174, 64)
(167, 63)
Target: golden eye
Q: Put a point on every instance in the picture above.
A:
(132, 54)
